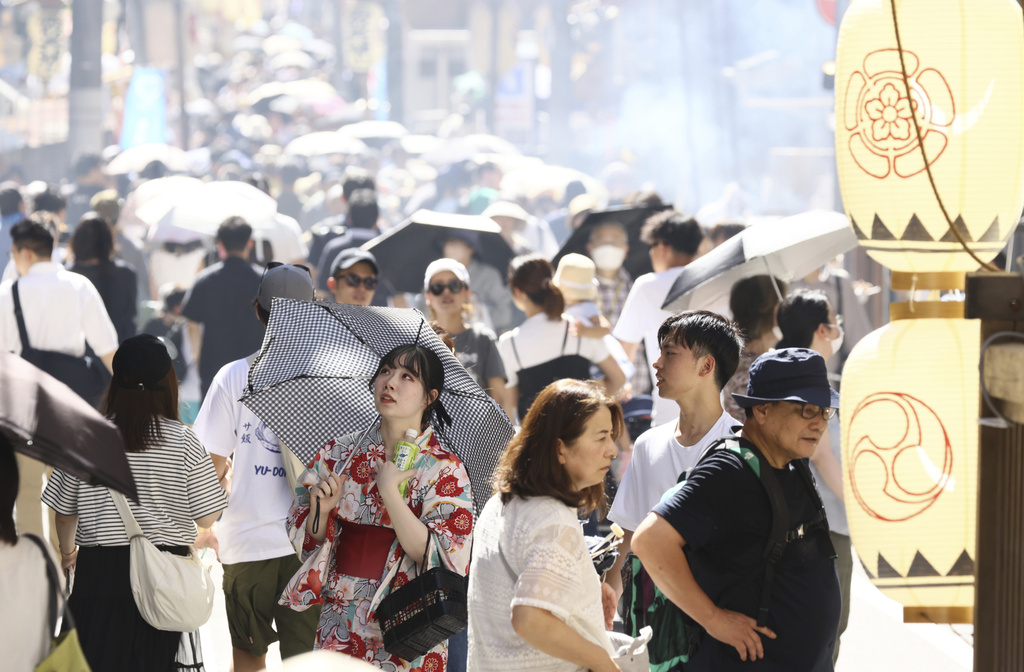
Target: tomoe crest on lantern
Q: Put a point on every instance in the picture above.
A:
(964, 88)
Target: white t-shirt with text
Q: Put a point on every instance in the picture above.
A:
(253, 526)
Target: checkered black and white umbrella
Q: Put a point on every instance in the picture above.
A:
(311, 382)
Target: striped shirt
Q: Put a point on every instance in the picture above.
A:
(177, 484)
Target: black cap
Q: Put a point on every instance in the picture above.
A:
(789, 374)
(142, 358)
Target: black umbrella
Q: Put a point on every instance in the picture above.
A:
(45, 419)
(404, 252)
(311, 382)
(632, 218)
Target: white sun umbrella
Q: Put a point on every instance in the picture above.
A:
(468, 146)
(203, 210)
(292, 59)
(136, 158)
(532, 180)
(322, 143)
(129, 221)
(373, 128)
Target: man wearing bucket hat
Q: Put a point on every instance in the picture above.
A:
(253, 544)
(766, 598)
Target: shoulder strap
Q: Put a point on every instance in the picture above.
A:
(51, 578)
(515, 352)
(565, 338)
(22, 331)
(131, 526)
(779, 536)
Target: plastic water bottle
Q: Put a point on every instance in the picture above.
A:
(405, 454)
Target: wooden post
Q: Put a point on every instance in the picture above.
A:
(997, 299)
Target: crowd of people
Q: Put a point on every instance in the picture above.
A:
(309, 550)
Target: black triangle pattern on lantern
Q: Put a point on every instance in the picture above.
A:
(921, 567)
(857, 230)
(964, 566)
(879, 231)
(992, 234)
(962, 228)
(885, 570)
(916, 231)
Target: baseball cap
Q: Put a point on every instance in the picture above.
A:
(348, 258)
(446, 264)
(789, 374)
(144, 358)
(284, 282)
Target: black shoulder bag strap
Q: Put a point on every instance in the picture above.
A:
(22, 331)
(565, 338)
(55, 592)
(515, 352)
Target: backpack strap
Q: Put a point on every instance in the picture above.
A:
(565, 338)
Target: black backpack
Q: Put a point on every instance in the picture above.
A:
(676, 635)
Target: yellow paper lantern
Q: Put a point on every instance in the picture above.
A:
(909, 410)
(965, 66)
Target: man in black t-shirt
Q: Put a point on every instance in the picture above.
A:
(222, 326)
(722, 517)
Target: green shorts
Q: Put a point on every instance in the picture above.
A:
(251, 592)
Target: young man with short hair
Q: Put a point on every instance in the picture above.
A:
(674, 239)
(251, 538)
(699, 353)
(219, 304)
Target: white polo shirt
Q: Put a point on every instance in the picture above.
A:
(62, 311)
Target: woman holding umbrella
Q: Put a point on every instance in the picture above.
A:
(531, 564)
(383, 530)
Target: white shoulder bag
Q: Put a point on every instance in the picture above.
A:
(173, 592)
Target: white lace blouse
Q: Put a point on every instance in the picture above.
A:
(543, 544)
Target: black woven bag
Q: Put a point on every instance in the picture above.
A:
(424, 612)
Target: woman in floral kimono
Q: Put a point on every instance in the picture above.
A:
(368, 534)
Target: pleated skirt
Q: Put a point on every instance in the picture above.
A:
(113, 634)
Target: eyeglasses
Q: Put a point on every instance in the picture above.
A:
(810, 411)
(353, 280)
(275, 264)
(453, 286)
(837, 323)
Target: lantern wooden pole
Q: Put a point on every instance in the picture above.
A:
(997, 299)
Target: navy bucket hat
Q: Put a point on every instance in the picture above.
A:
(790, 374)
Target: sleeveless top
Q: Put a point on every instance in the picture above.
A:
(535, 378)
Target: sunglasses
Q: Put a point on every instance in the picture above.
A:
(275, 264)
(353, 280)
(453, 286)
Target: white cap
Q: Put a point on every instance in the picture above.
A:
(446, 264)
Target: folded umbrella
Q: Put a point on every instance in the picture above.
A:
(43, 418)
(311, 383)
(632, 218)
(786, 248)
(404, 252)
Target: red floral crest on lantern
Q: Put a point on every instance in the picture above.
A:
(878, 115)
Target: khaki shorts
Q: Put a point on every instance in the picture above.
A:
(251, 592)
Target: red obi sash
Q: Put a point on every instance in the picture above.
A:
(362, 550)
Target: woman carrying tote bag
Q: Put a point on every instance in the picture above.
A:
(178, 490)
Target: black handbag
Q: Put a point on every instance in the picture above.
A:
(424, 612)
(86, 375)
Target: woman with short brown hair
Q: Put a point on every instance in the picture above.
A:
(531, 565)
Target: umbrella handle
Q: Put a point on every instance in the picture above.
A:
(316, 518)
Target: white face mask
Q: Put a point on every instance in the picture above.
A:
(608, 257)
(837, 342)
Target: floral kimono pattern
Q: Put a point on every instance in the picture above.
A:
(438, 493)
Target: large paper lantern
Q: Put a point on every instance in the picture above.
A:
(909, 411)
(965, 65)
